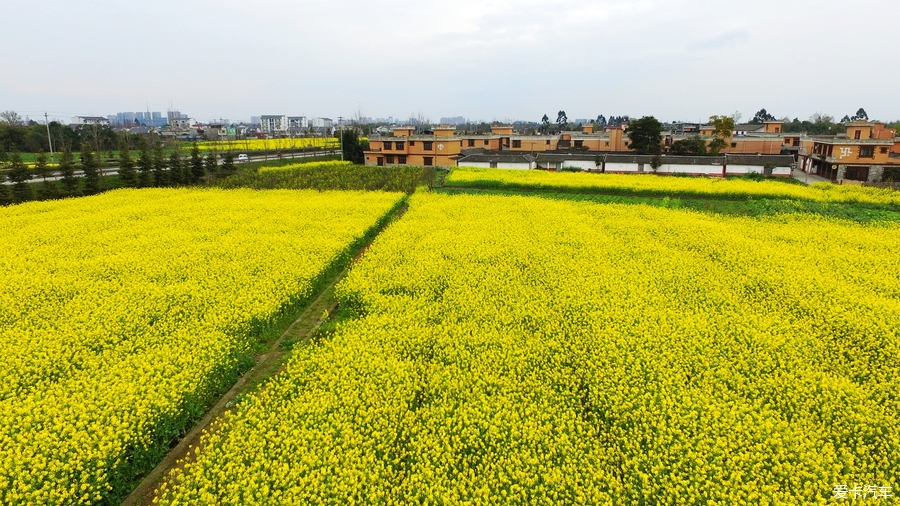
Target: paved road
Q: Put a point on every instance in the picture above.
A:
(109, 171)
(807, 178)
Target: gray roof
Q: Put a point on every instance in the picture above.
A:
(748, 127)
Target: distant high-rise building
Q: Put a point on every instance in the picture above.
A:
(273, 124)
(125, 119)
(322, 123)
(173, 115)
(454, 120)
(296, 123)
(254, 120)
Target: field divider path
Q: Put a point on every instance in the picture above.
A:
(268, 363)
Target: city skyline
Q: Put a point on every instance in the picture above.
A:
(675, 60)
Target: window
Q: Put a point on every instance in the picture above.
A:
(390, 158)
(412, 143)
(579, 144)
(493, 165)
(399, 144)
(883, 150)
(429, 161)
(471, 142)
(548, 142)
(485, 142)
(866, 152)
(426, 145)
(401, 159)
(517, 144)
(387, 145)
(777, 130)
(857, 134)
(734, 144)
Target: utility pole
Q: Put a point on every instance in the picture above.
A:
(341, 125)
(49, 139)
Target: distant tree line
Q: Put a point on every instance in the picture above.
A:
(18, 136)
(152, 168)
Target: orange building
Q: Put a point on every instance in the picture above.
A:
(442, 148)
(861, 155)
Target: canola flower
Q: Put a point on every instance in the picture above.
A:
(282, 143)
(122, 314)
(512, 350)
(329, 176)
(309, 165)
(651, 184)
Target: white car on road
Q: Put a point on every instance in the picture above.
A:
(243, 158)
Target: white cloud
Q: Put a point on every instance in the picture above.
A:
(673, 59)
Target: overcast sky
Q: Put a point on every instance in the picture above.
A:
(485, 59)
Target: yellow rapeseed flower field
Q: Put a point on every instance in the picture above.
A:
(511, 350)
(652, 184)
(122, 314)
(283, 143)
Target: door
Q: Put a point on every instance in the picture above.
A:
(380, 161)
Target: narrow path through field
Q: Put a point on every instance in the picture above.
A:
(268, 363)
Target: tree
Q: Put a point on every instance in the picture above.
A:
(860, 115)
(67, 171)
(690, 146)
(5, 197)
(144, 165)
(91, 168)
(601, 120)
(228, 163)
(645, 136)
(176, 168)
(561, 119)
(353, 151)
(845, 119)
(11, 118)
(19, 176)
(723, 129)
(160, 175)
(126, 166)
(41, 168)
(761, 117)
(197, 170)
(211, 163)
(47, 190)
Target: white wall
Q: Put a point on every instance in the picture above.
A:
(672, 168)
(625, 167)
(510, 165)
(758, 169)
(581, 164)
(782, 171)
(500, 165)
